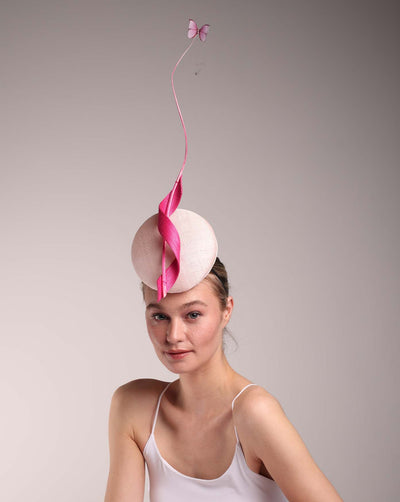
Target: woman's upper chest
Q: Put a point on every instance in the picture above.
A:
(200, 446)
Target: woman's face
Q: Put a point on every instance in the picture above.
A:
(186, 328)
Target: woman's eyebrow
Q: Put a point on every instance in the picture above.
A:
(152, 306)
(194, 302)
(184, 306)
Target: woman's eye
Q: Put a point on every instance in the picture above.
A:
(159, 317)
(194, 315)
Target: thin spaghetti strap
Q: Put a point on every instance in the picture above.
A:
(233, 402)
(237, 395)
(158, 407)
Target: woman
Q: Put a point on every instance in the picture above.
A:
(210, 435)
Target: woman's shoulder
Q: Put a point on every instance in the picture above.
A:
(254, 406)
(138, 394)
(133, 404)
(140, 388)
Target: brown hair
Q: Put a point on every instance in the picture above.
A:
(218, 277)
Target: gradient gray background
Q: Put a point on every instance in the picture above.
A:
(292, 112)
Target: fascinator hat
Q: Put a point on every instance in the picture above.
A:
(175, 249)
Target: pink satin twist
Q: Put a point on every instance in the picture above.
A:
(171, 237)
(166, 208)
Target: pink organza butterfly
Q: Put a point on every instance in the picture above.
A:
(194, 30)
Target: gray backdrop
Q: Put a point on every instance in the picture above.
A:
(292, 112)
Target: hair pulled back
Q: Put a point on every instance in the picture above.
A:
(218, 277)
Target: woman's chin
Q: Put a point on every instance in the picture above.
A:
(175, 365)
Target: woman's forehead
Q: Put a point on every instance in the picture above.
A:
(203, 292)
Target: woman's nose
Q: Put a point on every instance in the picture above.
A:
(174, 331)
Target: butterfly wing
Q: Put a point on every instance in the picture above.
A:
(193, 30)
(203, 32)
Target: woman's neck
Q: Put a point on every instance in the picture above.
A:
(206, 389)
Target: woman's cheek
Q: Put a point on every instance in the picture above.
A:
(153, 334)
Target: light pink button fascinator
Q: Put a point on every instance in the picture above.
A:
(175, 249)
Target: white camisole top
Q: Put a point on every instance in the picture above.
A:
(237, 484)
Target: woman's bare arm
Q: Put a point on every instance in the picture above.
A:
(269, 434)
(127, 473)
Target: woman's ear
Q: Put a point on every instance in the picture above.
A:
(228, 310)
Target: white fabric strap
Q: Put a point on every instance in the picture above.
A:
(233, 402)
(237, 395)
(158, 407)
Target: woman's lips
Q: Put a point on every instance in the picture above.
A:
(178, 354)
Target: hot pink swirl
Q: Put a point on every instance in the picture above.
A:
(171, 237)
